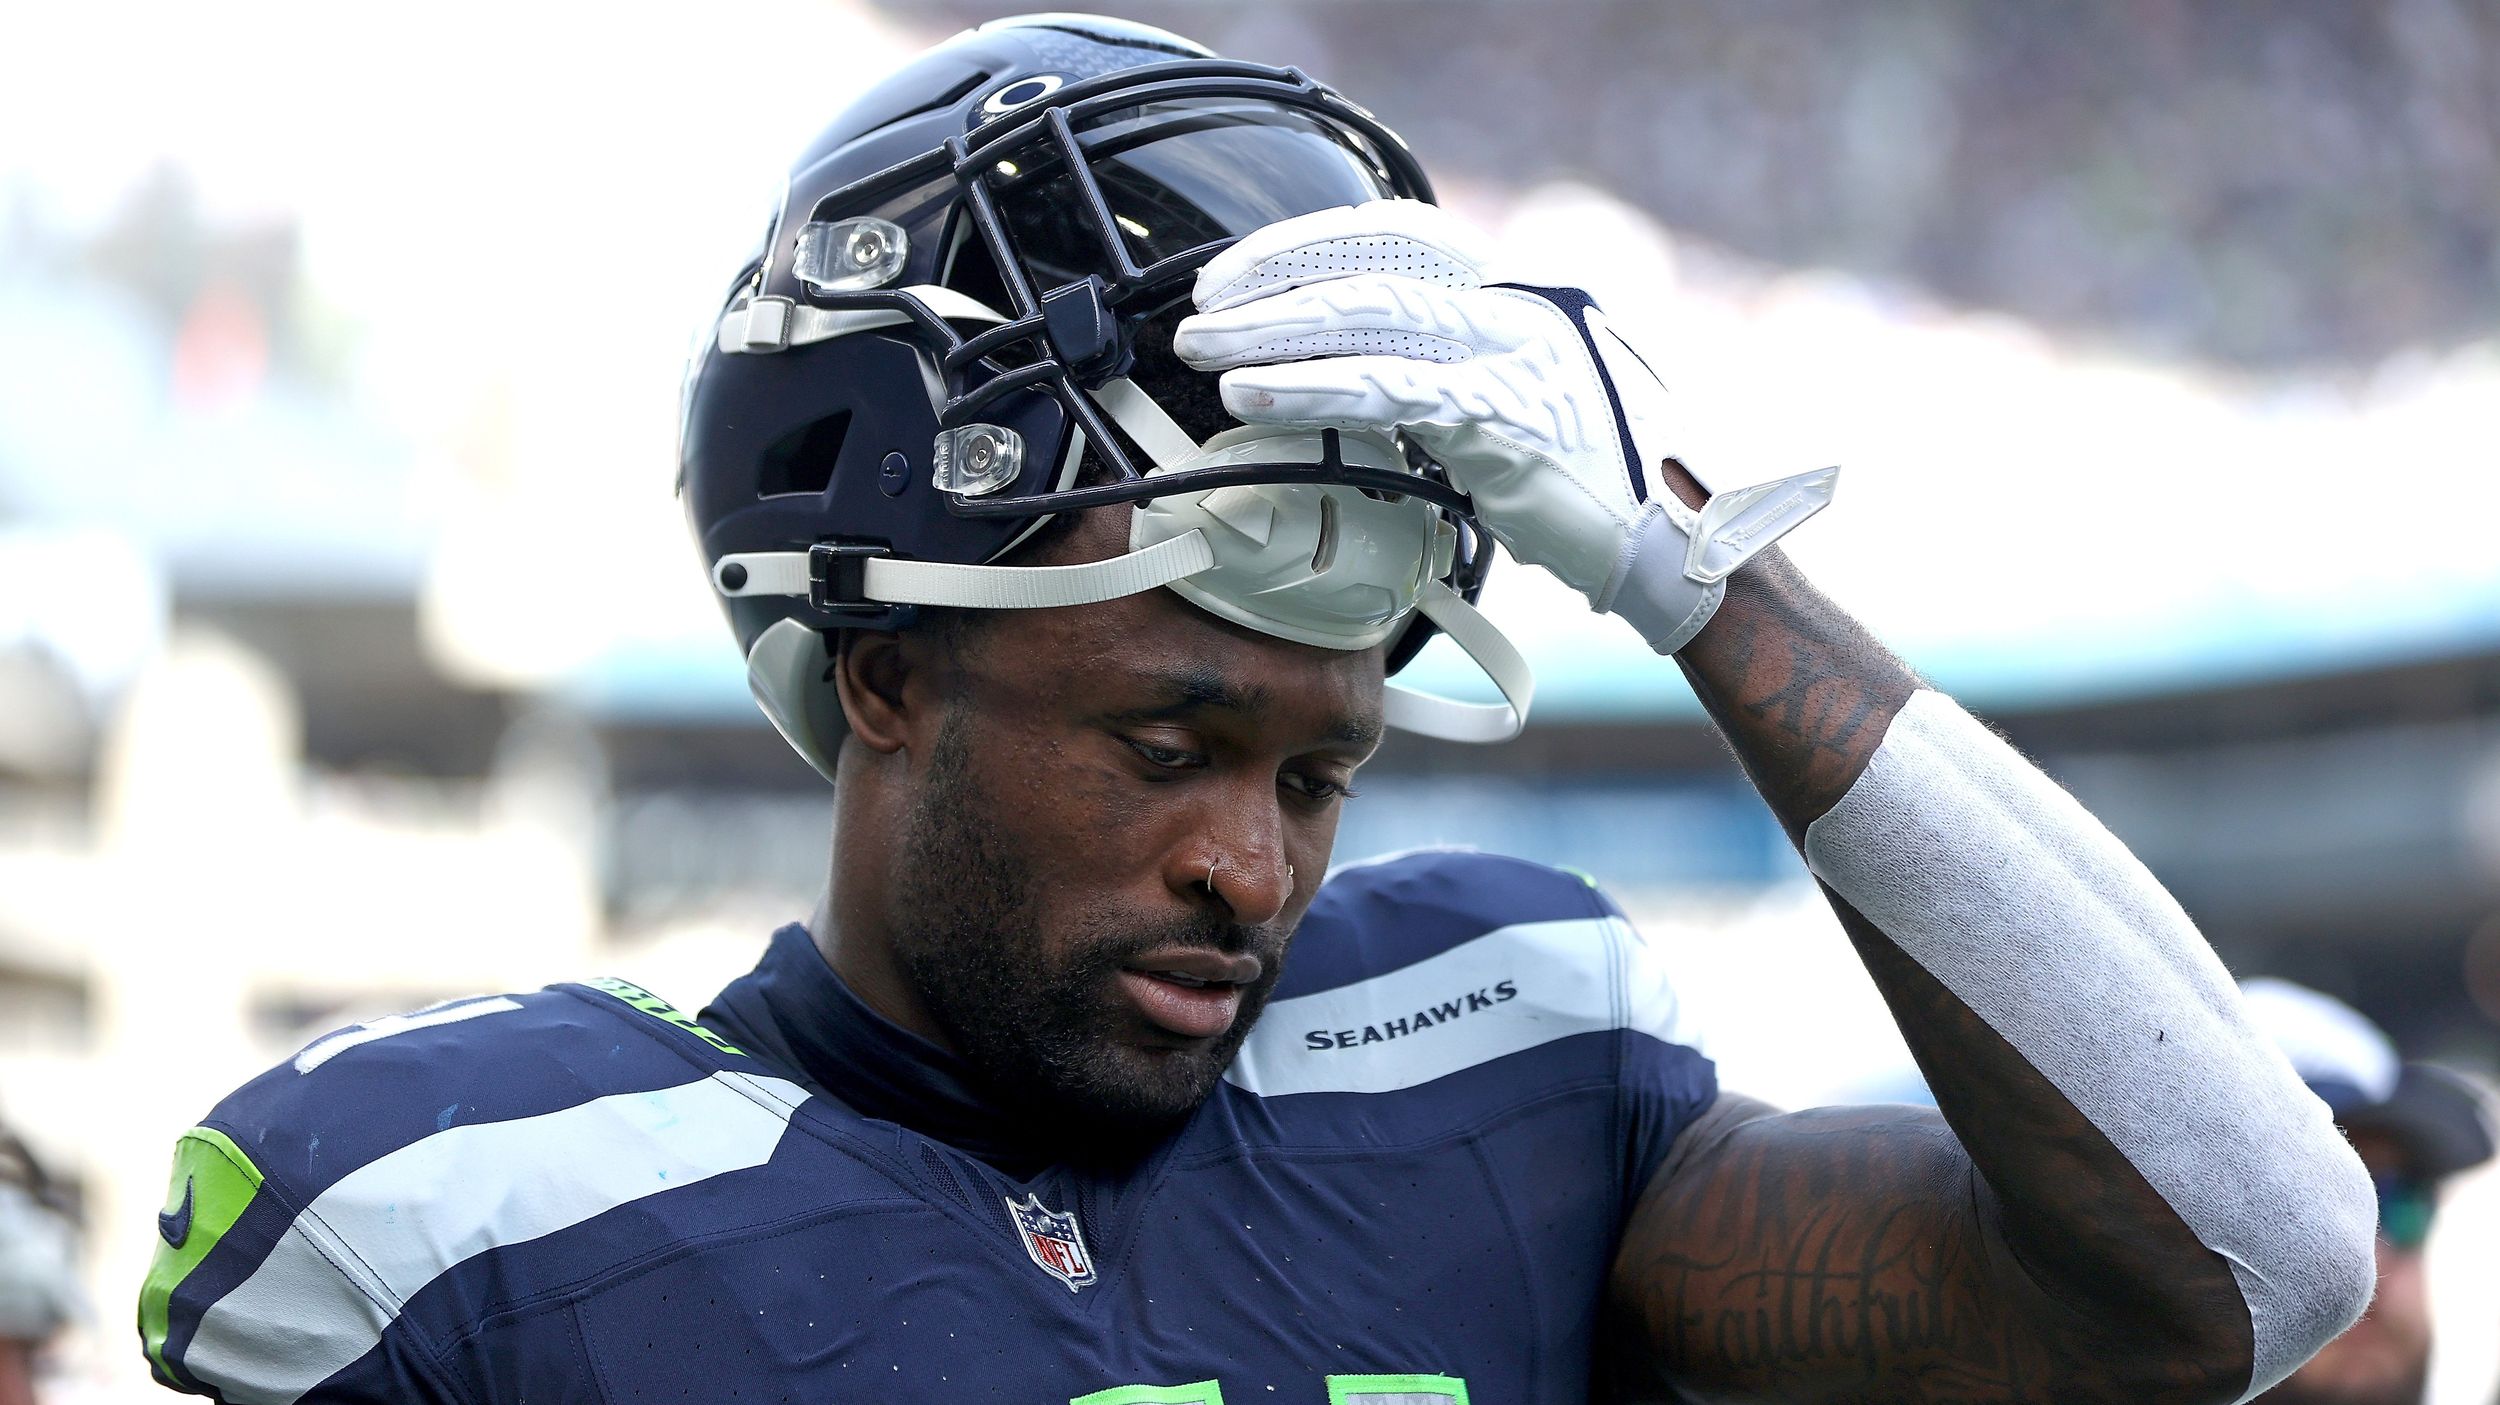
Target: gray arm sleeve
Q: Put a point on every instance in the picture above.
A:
(1997, 882)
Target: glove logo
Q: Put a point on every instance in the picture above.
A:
(175, 1224)
(1053, 1241)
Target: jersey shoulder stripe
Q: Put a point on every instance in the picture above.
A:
(1467, 958)
(1377, 915)
(1513, 989)
(269, 1241)
(350, 1260)
(364, 1091)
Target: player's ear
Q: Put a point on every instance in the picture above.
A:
(870, 671)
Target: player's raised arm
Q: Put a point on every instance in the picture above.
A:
(2128, 1196)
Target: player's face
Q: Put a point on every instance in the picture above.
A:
(1125, 814)
(2385, 1358)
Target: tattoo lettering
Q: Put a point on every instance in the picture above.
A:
(1858, 1254)
(1832, 1267)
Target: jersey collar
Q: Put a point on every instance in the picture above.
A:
(794, 1010)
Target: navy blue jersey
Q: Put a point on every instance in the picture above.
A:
(1409, 1185)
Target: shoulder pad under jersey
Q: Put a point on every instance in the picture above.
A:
(316, 1199)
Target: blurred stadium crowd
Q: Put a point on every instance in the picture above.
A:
(2182, 176)
(351, 658)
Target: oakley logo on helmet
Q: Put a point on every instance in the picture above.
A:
(1020, 92)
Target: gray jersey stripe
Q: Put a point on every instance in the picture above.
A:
(395, 1225)
(1507, 991)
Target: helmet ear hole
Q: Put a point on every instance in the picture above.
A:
(803, 460)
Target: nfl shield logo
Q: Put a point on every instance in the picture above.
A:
(1053, 1241)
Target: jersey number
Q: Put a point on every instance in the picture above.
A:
(330, 1046)
(1342, 1390)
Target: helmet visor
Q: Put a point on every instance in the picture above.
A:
(1181, 175)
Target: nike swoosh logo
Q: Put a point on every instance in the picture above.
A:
(175, 1225)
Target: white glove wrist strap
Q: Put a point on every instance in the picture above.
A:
(1675, 563)
(1650, 590)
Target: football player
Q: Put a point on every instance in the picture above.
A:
(2416, 1126)
(38, 1268)
(1100, 427)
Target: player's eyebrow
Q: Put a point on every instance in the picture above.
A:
(1199, 688)
(1362, 733)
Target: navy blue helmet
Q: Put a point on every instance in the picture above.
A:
(975, 248)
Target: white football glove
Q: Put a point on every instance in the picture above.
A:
(1378, 316)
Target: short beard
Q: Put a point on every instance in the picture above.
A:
(1032, 1024)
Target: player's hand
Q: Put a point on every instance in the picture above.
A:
(1379, 316)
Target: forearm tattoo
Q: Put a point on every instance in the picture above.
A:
(1800, 690)
(1858, 1254)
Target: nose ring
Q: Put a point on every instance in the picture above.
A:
(1214, 864)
